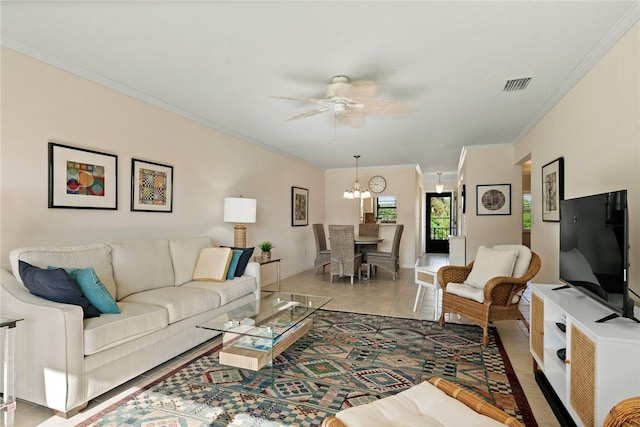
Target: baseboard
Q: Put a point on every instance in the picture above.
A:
(556, 405)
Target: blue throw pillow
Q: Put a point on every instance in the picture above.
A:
(55, 285)
(244, 259)
(93, 289)
(233, 266)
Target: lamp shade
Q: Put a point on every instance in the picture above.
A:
(240, 210)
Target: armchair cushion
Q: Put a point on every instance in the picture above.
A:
(490, 263)
(466, 291)
(523, 260)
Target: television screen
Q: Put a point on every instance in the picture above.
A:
(594, 246)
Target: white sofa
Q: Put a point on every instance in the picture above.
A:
(62, 360)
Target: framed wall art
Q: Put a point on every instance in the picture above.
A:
(494, 199)
(552, 189)
(82, 179)
(299, 206)
(151, 186)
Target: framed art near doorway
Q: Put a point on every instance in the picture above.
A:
(553, 189)
(299, 206)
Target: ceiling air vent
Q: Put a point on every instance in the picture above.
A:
(517, 84)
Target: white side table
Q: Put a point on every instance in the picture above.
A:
(426, 276)
(260, 261)
(8, 399)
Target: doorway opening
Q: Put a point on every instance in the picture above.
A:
(439, 222)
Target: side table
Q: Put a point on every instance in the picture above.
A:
(426, 276)
(260, 261)
(8, 402)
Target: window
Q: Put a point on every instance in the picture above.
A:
(526, 211)
(387, 209)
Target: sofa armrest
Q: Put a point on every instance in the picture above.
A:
(253, 270)
(49, 352)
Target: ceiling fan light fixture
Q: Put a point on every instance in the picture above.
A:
(356, 192)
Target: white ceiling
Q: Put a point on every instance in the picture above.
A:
(221, 63)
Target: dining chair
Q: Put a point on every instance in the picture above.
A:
(344, 260)
(367, 230)
(323, 255)
(389, 261)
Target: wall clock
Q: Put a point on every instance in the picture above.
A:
(377, 184)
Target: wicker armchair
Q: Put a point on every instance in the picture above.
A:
(624, 414)
(449, 391)
(323, 255)
(501, 296)
(344, 260)
(389, 261)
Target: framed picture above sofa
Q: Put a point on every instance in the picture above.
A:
(80, 178)
(151, 186)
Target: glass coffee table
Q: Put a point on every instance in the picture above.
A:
(254, 334)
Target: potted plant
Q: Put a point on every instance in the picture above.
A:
(266, 247)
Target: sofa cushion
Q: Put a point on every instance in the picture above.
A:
(244, 259)
(233, 266)
(490, 263)
(523, 260)
(134, 321)
(55, 285)
(180, 302)
(184, 254)
(212, 264)
(96, 255)
(93, 289)
(229, 290)
(141, 265)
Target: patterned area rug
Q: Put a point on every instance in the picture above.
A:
(347, 359)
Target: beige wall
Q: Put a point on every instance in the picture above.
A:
(483, 166)
(401, 182)
(41, 103)
(596, 128)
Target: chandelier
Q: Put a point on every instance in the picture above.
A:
(356, 192)
(439, 185)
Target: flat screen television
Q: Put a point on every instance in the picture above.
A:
(594, 249)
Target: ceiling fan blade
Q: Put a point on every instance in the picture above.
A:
(385, 107)
(310, 113)
(351, 118)
(302, 99)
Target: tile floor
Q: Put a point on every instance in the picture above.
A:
(378, 295)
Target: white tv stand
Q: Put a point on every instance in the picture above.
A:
(602, 362)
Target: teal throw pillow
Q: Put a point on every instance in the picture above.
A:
(234, 264)
(93, 289)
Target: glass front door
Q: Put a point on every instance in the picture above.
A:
(439, 222)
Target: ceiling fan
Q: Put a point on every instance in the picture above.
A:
(351, 101)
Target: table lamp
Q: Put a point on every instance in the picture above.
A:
(241, 211)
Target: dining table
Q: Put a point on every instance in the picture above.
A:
(367, 240)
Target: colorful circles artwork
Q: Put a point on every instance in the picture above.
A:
(85, 179)
(493, 200)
